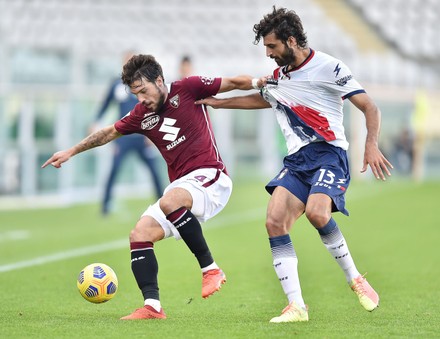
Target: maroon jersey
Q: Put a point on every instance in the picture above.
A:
(181, 130)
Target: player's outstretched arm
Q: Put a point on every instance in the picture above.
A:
(241, 82)
(251, 101)
(373, 157)
(98, 138)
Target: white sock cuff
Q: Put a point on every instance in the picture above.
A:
(153, 303)
(213, 266)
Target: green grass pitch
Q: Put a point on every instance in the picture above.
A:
(393, 233)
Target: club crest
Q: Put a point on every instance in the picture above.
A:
(175, 101)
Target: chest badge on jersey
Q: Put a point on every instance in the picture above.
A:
(150, 122)
(175, 101)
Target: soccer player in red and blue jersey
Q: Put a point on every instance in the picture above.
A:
(199, 183)
(306, 92)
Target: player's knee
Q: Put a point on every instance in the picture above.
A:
(141, 233)
(172, 201)
(134, 236)
(167, 205)
(275, 226)
(317, 217)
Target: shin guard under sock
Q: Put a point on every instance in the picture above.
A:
(190, 230)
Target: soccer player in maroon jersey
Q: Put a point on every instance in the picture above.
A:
(199, 183)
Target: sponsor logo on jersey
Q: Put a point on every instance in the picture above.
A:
(150, 122)
(343, 81)
(168, 128)
(337, 70)
(171, 133)
(207, 81)
(175, 101)
(176, 142)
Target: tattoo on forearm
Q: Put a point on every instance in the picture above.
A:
(96, 139)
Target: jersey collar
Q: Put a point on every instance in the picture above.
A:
(305, 62)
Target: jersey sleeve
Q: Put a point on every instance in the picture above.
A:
(338, 78)
(202, 87)
(127, 124)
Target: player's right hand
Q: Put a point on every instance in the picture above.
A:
(57, 159)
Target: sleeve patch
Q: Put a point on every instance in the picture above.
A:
(343, 81)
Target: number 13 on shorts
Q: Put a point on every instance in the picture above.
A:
(330, 178)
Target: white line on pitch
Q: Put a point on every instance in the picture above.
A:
(230, 219)
(223, 220)
(14, 235)
(78, 252)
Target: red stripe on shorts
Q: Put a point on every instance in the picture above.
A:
(212, 181)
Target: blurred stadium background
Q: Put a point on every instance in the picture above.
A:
(58, 56)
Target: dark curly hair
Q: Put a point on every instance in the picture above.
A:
(139, 67)
(283, 23)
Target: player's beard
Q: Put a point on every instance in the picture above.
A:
(161, 99)
(287, 58)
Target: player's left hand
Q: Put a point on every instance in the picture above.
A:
(209, 101)
(377, 162)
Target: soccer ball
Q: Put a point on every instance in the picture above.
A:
(97, 283)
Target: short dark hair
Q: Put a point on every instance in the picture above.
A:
(283, 23)
(139, 67)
